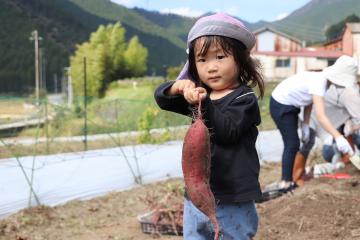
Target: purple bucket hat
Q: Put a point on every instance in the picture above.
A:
(219, 24)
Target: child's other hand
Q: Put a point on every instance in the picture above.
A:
(192, 94)
(179, 87)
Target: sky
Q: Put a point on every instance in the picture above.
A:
(248, 10)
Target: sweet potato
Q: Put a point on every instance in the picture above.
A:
(196, 158)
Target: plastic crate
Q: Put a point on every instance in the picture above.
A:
(149, 227)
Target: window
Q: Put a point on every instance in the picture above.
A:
(331, 62)
(283, 62)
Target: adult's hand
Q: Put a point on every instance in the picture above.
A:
(343, 145)
(305, 133)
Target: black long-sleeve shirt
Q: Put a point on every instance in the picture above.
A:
(232, 121)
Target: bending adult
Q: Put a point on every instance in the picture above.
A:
(306, 90)
(342, 101)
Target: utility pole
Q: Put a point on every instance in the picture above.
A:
(85, 106)
(42, 70)
(35, 37)
(41, 84)
(69, 87)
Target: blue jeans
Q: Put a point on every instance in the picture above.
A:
(356, 139)
(328, 152)
(238, 221)
(286, 120)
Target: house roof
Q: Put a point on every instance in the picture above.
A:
(354, 28)
(339, 39)
(264, 29)
(303, 53)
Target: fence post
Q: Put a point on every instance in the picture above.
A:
(46, 127)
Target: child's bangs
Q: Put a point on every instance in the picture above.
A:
(208, 41)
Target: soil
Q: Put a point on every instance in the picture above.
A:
(323, 208)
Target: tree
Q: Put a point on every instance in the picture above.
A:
(95, 69)
(173, 72)
(116, 50)
(109, 57)
(135, 57)
(335, 30)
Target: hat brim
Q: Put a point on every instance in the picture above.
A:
(219, 28)
(339, 78)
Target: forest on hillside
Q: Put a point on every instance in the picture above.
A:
(62, 24)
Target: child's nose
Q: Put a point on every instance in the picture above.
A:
(212, 66)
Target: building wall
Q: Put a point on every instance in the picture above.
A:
(283, 44)
(268, 41)
(356, 48)
(314, 63)
(272, 44)
(270, 71)
(347, 42)
(284, 72)
(297, 64)
(300, 64)
(334, 46)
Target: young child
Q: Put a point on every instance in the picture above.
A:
(221, 72)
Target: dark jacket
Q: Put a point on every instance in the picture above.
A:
(232, 122)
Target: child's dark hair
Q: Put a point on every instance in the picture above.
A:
(249, 68)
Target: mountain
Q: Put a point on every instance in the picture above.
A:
(64, 23)
(59, 32)
(172, 23)
(310, 22)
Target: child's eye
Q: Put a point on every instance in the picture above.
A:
(200, 60)
(220, 56)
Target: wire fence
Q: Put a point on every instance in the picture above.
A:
(30, 131)
(48, 123)
(34, 129)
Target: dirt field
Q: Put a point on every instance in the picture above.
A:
(323, 209)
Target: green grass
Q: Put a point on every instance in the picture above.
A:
(130, 103)
(122, 109)
(13, 107)
(266, 121)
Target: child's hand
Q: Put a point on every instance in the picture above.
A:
(179, 87)
(192, 94)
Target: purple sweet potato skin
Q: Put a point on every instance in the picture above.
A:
(196, 159)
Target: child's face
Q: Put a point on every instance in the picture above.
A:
(216, 69)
